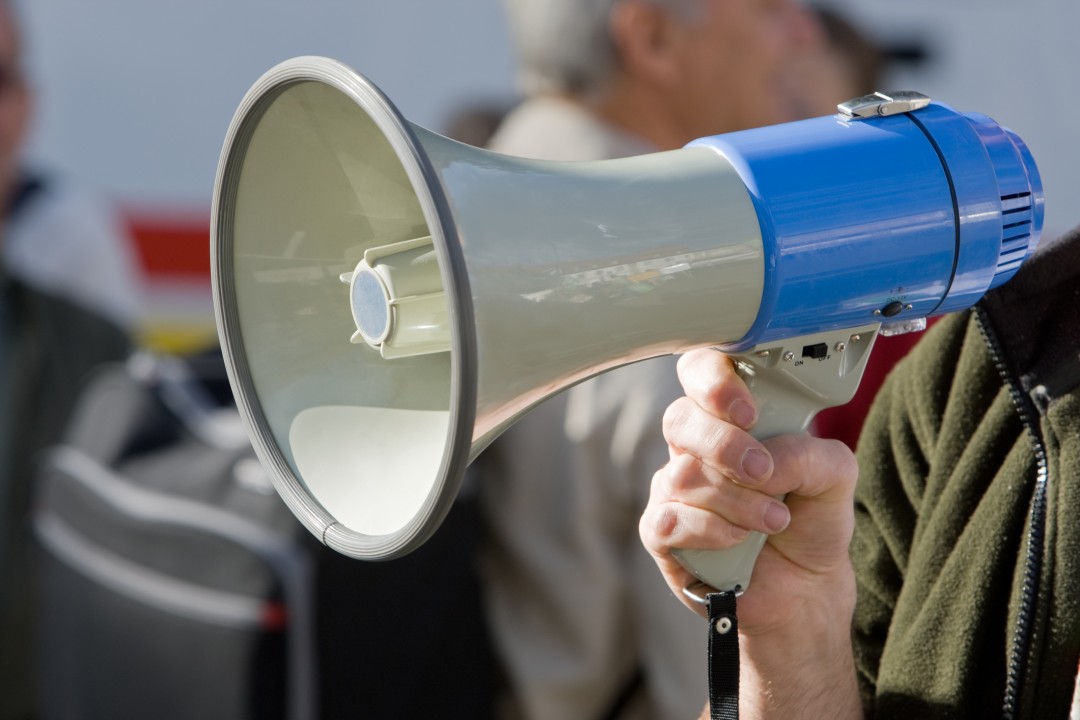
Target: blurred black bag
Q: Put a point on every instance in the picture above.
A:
(174, 583)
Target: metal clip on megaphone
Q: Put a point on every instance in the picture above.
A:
(476, 285)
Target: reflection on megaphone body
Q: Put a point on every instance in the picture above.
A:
(389, 300)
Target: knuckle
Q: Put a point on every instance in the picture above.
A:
(685, 361)
(817, 464)
(847, 467)
(681, 475)
(832, 455)
(669, 525)
(725, 444)
(736, 534)
(674, 416)
(660, 526)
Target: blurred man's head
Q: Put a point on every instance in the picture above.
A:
(14, 98)
(669, 70)
(848, 64)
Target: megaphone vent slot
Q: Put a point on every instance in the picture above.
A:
(1016, 200)
(1016, 218)
(1016, 230)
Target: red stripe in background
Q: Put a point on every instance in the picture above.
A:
(170, 244)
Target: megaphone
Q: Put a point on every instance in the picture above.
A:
(389, 300)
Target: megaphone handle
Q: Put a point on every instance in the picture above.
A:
(791, 381)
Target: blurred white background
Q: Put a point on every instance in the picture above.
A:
(135, 96)
(1013, 61)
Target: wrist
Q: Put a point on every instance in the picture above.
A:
(803, 666)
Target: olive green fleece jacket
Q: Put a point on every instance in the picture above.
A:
(967, 544)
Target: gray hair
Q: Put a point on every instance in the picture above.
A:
(565, 46)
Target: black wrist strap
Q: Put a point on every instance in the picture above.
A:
(723, 656)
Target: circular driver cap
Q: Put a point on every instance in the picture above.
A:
(370, 306)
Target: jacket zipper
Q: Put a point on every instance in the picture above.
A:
(1028, 412)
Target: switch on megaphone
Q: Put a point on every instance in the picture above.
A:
(389, 300)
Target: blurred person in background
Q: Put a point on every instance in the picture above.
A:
(63, 238)
(583, 625)
(848, 64)
(475, 123)
(52, 333)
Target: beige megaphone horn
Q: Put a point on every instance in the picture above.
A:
(390, 300)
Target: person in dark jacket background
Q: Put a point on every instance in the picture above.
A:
(48, 345)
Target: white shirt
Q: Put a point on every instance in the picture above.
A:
(71, 243)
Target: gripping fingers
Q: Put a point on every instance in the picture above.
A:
(689, 429)
(709, 379)
(686, 488)
(811, 467)
(668, 526)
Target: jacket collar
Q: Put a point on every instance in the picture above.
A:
(1036, 317)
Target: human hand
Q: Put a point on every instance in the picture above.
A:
(721, 483)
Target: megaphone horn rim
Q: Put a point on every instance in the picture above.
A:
(436, 209)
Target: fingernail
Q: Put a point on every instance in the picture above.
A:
(742, 414)
(756, 463)
(777, 517)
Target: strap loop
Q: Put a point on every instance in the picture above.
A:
(723, 656)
